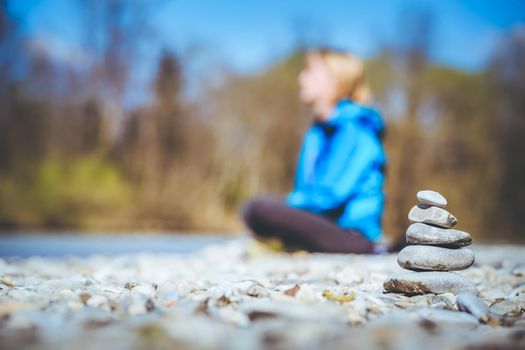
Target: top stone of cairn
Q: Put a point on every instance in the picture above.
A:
(434, 198)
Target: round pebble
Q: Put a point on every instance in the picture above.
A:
(470, 303)
(432, 215)
(419, 233)
(430, 258)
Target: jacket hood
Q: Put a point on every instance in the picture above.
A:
(348, 111)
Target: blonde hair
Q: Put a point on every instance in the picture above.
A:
(349, 72)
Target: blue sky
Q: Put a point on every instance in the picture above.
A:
(248, 35)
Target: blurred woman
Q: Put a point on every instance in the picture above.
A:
(337, 200)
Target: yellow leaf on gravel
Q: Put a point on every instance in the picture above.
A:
(339, 298)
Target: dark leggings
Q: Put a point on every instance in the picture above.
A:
(270, 217)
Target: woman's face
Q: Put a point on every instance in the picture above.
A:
(316, 84)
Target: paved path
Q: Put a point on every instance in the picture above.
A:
(44, 244)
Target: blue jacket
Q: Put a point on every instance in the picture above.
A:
(340, 169)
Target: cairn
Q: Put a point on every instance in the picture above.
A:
(436, 250)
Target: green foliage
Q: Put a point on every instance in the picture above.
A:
(234, 193)
(64, 193)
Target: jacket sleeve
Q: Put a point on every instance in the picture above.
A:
(307, 156)
(352, 154)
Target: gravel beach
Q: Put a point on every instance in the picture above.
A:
(230, 296)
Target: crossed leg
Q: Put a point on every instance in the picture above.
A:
(269, 217)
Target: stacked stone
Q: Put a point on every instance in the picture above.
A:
(437, 249)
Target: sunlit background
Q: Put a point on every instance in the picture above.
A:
(159, 115)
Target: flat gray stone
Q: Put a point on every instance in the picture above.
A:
(430, 258)
(419, 233)
(429, 282)
(429, 197)
(432, 215)
(468, 302)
